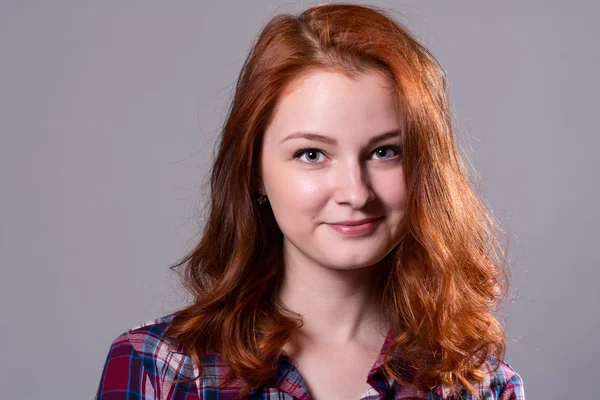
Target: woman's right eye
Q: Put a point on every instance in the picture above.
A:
(312, 155)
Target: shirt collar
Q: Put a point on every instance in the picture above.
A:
(288, 377)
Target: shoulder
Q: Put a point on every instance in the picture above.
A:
(504, 382)
(501, 382)
(156, 350)
(142, 361)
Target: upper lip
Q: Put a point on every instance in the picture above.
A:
(355, 222)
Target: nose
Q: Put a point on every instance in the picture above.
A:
(352, 186)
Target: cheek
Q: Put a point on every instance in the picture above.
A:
(392, 191)
(296, 198)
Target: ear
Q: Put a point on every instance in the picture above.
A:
(261, 187)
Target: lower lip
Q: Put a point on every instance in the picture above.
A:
(356, 230)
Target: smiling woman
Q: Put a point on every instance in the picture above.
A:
(356, 175)
(345, 255)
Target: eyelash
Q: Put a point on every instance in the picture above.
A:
(301, 152)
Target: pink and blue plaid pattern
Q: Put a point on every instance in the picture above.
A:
(141, 365)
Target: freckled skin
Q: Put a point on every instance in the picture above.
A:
(348, 181)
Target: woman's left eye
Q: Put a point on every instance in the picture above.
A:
(387, 152)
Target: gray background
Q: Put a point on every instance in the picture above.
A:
(109, 112)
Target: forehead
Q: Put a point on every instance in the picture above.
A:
(333, 103)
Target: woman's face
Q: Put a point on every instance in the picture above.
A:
(349, 173)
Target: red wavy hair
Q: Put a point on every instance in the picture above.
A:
(444, 281)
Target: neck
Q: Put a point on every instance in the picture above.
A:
(338, 306)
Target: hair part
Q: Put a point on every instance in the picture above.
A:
(439, 287)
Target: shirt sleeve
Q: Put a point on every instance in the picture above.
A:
(513, 390)
(124, 376)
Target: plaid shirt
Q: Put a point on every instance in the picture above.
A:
(141, 364)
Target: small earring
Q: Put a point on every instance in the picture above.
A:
(262, 199)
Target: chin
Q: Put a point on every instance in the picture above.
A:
(355, 263)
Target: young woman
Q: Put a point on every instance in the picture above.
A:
(345, 254)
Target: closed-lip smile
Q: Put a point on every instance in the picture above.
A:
(355, 222)
(357, 228)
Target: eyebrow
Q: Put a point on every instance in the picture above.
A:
(333, 142)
